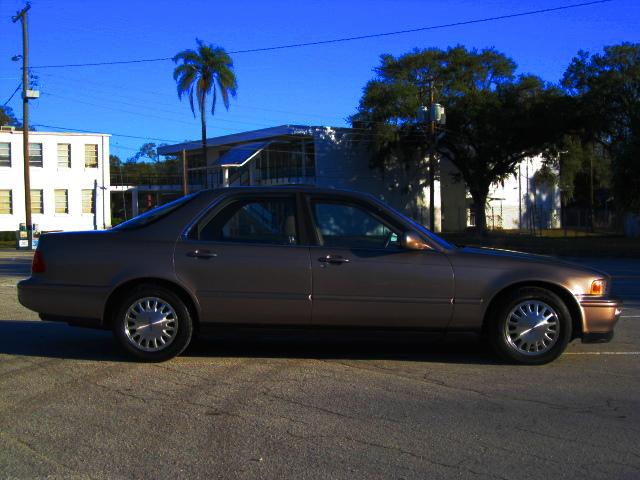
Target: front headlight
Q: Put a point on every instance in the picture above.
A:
(598, 287)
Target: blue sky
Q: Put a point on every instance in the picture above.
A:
(318, 85)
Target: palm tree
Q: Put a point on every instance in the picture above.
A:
(206, 70)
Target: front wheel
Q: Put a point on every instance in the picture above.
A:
(531, 326)
(153, 324)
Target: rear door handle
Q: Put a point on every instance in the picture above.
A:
(204, 254)
(333, 259)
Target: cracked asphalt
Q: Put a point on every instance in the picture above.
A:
(72, 406)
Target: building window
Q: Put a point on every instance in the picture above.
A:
(287, 161)
(5, 154)
(471, 217)
(62, 200)
(6, 202)
(35, 154)
(88, 205)
(36, 201)
(64, 155)
(91, 156)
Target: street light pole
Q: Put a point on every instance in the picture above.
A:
(22, 16)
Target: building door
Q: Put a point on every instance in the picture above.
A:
(245, 264)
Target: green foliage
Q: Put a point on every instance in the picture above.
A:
(606, 89)
(207, 70)
(147, 151)
(627, 174)
(494, 118)
(7, 117)
(134, 167)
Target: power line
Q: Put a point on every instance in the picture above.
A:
(14, 92)
(111, 133)
(155, 94)
(362, 131)
(349, 39)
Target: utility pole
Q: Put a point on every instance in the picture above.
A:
(591, 196)
(185, 173)
(432, 167)
(433, 115)
(22, 16)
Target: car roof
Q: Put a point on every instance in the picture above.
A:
(295, 188)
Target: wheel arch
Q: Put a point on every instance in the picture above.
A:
(565, 295)
(111, 305)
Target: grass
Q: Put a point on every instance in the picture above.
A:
(554, 242)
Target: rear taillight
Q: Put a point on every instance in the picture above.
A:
(37, 264)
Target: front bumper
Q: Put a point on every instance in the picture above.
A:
(599, 316)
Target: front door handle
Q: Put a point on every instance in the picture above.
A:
(204, 254)
(333, 259)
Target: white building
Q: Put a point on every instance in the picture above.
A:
(338, 158)
(69, 180)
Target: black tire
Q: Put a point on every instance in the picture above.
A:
(514, 350)
(183, 325)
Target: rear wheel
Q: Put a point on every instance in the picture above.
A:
(153, 324)
(531, 326)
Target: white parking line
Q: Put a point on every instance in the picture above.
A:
(630, 316)
(602, 353)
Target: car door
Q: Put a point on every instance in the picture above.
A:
(363, 277)
(245, 262)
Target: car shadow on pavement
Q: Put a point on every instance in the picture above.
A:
(57, 340)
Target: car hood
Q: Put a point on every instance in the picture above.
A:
(497, 254)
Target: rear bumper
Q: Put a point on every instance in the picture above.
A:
(76, 304)
(599, 316)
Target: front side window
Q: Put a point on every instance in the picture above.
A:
(91, 156)
(36, 201)
(62, 201)
(64, 155)
(6, 202)
(346, 225)
(35, 154)
(270, 221)
(5, 154)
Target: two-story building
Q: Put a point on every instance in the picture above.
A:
(339, 158)
(69, 180)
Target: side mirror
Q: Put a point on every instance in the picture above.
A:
(412, 241)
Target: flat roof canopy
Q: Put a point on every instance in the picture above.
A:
(240, 155)
(250, 136)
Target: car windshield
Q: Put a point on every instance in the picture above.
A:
(420, 228)
(155, 214)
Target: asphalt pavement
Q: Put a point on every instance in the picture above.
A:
(72, 406)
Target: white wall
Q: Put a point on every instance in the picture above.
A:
(50, 177)
(520, 200)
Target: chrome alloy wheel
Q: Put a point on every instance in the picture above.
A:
(150, 324)
(532, 328)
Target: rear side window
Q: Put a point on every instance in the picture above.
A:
(155, 214)
(346, 225)
(270, 221)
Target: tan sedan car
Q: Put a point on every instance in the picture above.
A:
(300, 257)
